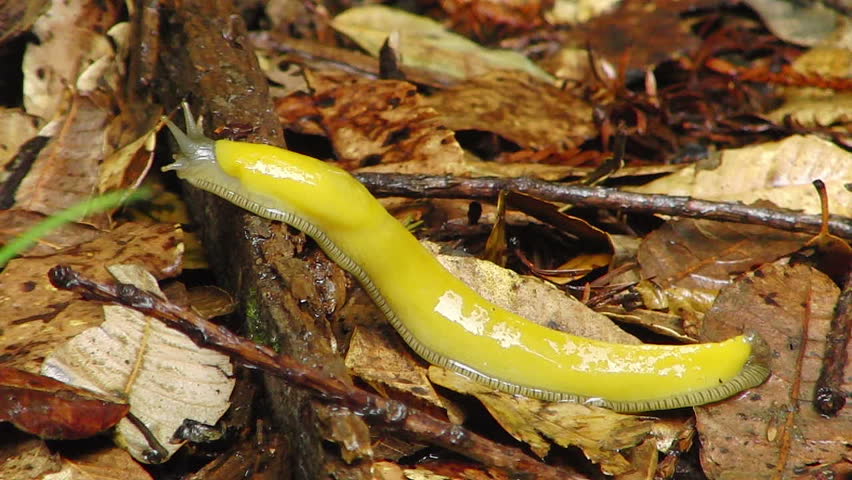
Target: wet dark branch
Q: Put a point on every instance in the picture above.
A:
(830, 397)
(488, 189)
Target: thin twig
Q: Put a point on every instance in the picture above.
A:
(373, 408)
(829, 396)
(488, 188)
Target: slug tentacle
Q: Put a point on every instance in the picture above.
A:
(442, 319)
(195, 148)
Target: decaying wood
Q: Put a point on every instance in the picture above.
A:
(206, 59)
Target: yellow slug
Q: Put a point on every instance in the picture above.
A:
(440, 317)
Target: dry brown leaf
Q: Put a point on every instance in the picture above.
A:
(477, 167)
(682, 309)
(829, 253)
(811, 106)
(599, 432)
(504, 17)
(425, 44)
(798, 23)
(169, 207)
(597, 246)
(35, 316)
(128, 165)
(209, 301)
(444, 470)
(639, 34)
(379, 121)
(577, 11)
(72, 38)
(569, 63)
(23, 457)
(429, 166)
(352, 437)
(27, 458)
(70, 78)
(14, 222)
(470, 166)
(166, 377)
(102, 463)
(663, 323)
(51, 409)
(65, 171)
(381, 359)
(107, 72)
(582, 263)
(674, 436)
(315, 55)
(286, 78)
(16, 128)
(698, 300)
(298, 113)
(532, 298)
(519, 107)
(384, 470)
(814, 110)
(18, 17)
(705, 254)
(780, 172)
(593, 238)
(625, 248)
(643, 459)
(791, 308)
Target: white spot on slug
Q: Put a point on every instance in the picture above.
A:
(450, 306)
(675, 370)
(506, 336)
(283, 172)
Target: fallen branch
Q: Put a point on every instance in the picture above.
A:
(373, 408)
(420, 186)
(829, 396)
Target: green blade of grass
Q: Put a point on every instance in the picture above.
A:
(93, 205)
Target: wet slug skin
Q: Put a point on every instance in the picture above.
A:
(440, 317)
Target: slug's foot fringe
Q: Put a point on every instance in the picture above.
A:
(754, 373)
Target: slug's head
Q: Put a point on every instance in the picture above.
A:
(272, 182)
(196, 150)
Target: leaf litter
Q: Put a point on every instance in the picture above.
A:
(164, 375)
(418, 133)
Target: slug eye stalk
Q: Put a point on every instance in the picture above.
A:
(439, 317)
(195, 148)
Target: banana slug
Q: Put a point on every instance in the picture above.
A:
(439, 317)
